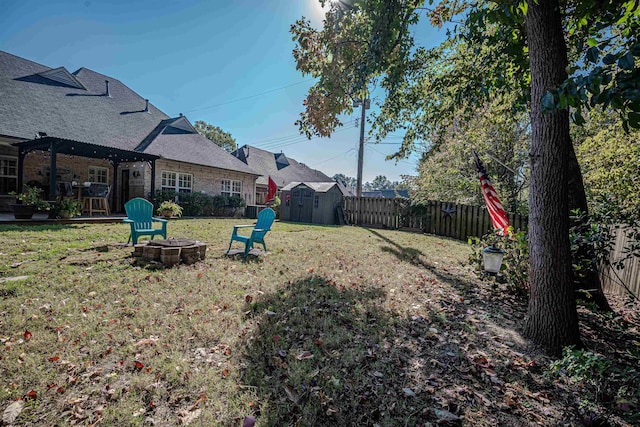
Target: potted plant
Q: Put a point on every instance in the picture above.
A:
(28, 202)
(169, 209)
(68, 208)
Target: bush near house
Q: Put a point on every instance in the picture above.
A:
(200, 204)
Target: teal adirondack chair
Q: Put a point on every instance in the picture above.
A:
(140, 218)
(259, 230)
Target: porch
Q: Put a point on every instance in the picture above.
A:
(52, 179)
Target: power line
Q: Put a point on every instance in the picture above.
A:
(294, 141)
(248, 97)
(294, 138)
(382, 154)
(334, 157)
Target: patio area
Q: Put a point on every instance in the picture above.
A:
(7, 218)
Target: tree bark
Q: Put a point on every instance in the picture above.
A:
(552, 320)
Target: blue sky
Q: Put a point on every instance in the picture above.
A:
(225, 62)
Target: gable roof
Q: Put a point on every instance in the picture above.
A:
(75, 106)
(61, 75)
(318, 187)
(282, 169)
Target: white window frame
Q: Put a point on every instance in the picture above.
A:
(98, 173)
(177, 181)
(231, 187)
(15, 166)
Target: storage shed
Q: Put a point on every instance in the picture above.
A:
(311, 202)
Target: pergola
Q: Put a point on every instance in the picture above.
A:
(82, 149)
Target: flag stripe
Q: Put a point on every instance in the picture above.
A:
(497, 213)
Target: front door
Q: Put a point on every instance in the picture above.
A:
(124, 188)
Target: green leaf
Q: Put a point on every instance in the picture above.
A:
(593, 54)
(564, 101)
(626, 62)
(634, 120)
(609, 59)
(548, 102)
(635, 49)
(592, 42)
(523, 6)
(578, 119)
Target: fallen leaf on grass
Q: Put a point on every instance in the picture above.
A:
(31, 394)
(291, 393)
(187, 417)
(54, 359)
(12, 411)
(445, 415)
(138, 365)
(407, 391)
(147, 341)
(304, 355)
(331, 410)
(27, 335)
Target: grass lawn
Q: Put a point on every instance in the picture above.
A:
(334, 326)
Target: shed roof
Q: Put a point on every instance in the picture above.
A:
(318, 187)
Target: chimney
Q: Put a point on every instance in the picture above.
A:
(180, 114)
(146, 105)
(106, 82)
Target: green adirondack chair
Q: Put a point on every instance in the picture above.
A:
(259, 230)
(140, 218)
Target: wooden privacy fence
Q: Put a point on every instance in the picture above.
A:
(440, 218)
(612, 278)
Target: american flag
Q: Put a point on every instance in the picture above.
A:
(496, 211)
(272, 188)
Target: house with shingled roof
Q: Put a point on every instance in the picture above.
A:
(282, 169)
(59, 127)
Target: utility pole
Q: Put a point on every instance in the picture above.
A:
(365, 105)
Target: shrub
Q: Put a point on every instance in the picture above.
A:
(602, 381)
(275, 205)
(199, 204)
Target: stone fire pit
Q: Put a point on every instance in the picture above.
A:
(171, 251)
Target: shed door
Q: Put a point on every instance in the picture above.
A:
(306, 209)
(301, 206)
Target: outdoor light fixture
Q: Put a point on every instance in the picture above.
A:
(492, 259)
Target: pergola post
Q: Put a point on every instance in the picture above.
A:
(153, 178)
(21, 155)
(114, 189)
(53, 171)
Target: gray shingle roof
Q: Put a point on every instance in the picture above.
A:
(318, 187)
(55, 104)
(283, 170)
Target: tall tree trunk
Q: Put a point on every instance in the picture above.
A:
(552, 319)
(578, 200)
